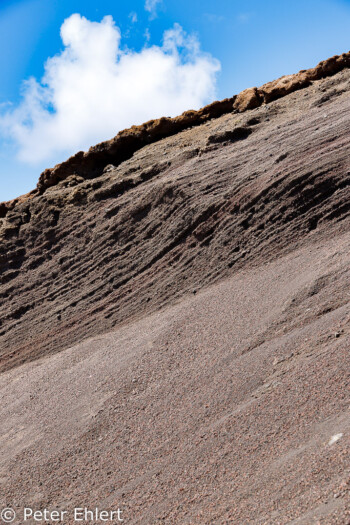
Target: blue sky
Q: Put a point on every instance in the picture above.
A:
(169, 55)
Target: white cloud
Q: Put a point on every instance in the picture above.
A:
(147, 35)
(94, 88)
(133, 17)
(151, 6)
(243, 18)
(214, 18)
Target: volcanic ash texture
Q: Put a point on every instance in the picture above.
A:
(175, 324)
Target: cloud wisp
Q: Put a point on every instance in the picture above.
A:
(151, 6)
(94, 88)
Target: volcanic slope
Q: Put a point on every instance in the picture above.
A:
(175, 329)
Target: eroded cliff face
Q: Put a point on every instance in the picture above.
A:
(84, 254)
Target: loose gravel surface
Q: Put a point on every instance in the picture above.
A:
(218, 410)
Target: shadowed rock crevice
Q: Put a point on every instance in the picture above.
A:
(239, 133)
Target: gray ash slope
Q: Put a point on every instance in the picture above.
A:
(175, 331)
